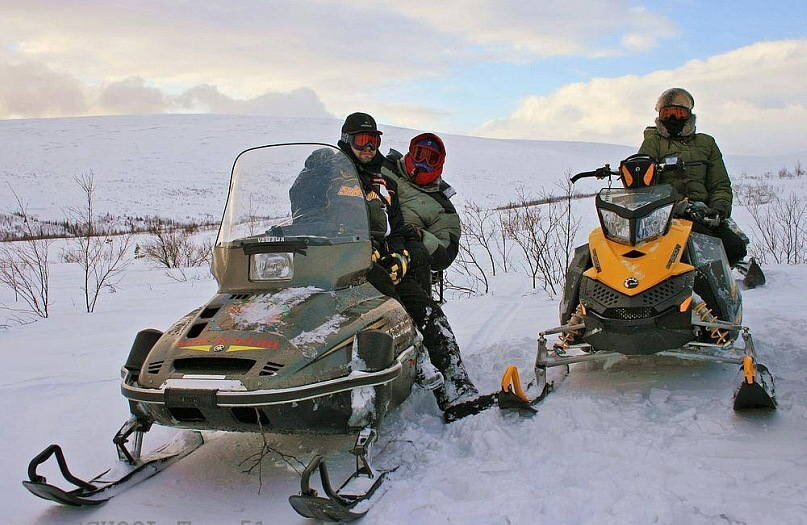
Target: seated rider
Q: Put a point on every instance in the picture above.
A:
(433, 231)
(674, 134)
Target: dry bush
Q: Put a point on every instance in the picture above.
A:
(102, 258)
(780, 229)
(25, 268)
(174, 248)
(545, 234)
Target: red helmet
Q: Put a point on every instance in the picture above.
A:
(424, 161)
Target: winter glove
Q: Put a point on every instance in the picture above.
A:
(702, 213)
(375, 256)
(396, 264)
(411, 232)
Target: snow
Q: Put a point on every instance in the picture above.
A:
(640, 441)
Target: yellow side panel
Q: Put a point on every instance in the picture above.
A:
(661, 259)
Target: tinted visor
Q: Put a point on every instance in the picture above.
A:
(364, 140)
(679, 112)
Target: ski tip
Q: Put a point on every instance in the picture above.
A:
(511, 384)
(469, 408)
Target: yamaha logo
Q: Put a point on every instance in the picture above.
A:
(631, 282)
(218, 348)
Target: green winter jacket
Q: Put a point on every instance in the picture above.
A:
(428, 208)
(706, 183)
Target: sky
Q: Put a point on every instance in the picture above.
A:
(582, 70)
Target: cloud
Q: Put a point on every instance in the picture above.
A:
(302, 102)
(515, 30)
(341, 50)
(33, 90)
(752, 99)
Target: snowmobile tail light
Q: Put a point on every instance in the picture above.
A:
(654, 224)
(271, 267)
(616, 227)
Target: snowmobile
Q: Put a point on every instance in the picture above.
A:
(646, 284)
(295, 341)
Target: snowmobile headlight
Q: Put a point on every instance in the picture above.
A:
(616, 227)
(653, 224)
(271, 267)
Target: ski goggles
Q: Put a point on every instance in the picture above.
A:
(426, 155)
(679, 112)
(364, 140)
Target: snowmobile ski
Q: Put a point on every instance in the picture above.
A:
(513, 396)
(469, 408)
(129, 471)
(752, 273)
(756, 390)
(351, 500)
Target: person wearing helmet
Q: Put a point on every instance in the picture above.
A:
(425, 198)
(433, 232)
(709, 183)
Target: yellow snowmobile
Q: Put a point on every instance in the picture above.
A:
(646, 284)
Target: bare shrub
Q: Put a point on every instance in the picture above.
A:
(25, 269)
(174, 248)
(468, 267)
(545, 234)
(478, 226)
(102, 258)
(780, 229)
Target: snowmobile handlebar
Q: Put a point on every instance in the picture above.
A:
(667, 164)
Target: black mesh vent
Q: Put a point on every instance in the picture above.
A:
(660, 292)
(270, 369)
(154, 368)
(213, 365)
(630, 314)
(602, 294)
(240, 296)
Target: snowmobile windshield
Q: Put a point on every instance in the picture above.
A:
(304, 192)
(633, 199)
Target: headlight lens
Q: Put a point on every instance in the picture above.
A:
(616, 227)
(653, 224)
(271, 267)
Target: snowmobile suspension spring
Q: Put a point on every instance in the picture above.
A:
(570, 337)
(705, 313)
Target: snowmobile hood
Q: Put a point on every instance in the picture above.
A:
(272, 339)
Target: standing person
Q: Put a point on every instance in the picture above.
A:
(360, 140)
(709, 183)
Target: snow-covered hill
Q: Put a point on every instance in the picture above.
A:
(652, 441)
(177, 166)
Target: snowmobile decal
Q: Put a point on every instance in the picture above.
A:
(350, 191)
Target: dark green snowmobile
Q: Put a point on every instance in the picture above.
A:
(295, 340)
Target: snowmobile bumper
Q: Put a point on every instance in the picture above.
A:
(638, 336)
(225, 404)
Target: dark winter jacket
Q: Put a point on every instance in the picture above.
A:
(383, 209)
(707, 183)
(429, 209)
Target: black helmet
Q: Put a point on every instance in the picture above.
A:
(358, 123)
